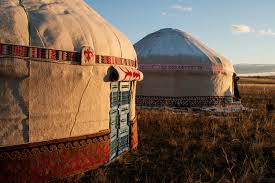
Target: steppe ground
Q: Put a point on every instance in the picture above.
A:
(202, 147)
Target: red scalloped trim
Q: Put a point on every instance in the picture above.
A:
(46, 161)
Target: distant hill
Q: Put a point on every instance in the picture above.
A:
(255, 69)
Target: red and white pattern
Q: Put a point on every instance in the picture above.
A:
(180, 67)
(123, 73)
(7, 50)
(115, 61)
(86, 57)
(47, 161)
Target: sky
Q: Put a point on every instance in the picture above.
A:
(241, 30)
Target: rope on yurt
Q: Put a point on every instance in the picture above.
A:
(191, 47)
(116, 38)
(108, 26)
(206, 52)
(25, 122)
(21, 3)
(27, 14)
(79, 106)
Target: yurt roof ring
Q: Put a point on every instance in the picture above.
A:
(87, 55)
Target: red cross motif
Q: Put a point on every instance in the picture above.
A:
(88, 54)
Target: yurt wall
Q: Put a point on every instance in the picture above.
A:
(178, 84)
(74, 98)
(67, 90)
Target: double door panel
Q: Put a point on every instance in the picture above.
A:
(119, 118)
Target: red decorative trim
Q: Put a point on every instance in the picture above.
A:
(41, 162)
(132, 74)
(181, 67)
(124, 73)
(85, 57)
(8, 50)
(114, 61)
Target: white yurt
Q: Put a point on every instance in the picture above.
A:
(181, 71)
(67, 90)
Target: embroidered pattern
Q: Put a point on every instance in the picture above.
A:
(86, 56)
(180, 67)
(199, 101)
(7, 50)
(41, 162)
(115, 61)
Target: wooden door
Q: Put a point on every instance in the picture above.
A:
(119, 118)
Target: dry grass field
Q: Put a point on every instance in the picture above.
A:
(201, 147)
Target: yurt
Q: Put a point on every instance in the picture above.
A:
(181, 71)
(67, 90)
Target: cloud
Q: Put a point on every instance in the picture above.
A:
(181, 8)
(266, 32)
(241, 29)
(176, 8)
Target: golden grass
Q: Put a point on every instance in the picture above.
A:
(200, 147)
(256, 92)
(258, 80)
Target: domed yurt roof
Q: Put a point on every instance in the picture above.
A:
(63, 25)
(181, 71)
(173, 46)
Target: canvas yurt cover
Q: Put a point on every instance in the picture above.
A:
(181, 72)
(67, 90)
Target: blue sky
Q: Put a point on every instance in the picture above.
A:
(241, 30)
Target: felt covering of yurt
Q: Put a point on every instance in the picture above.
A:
(181, 71)
(57, 58)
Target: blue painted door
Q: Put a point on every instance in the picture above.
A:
(119, 118)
